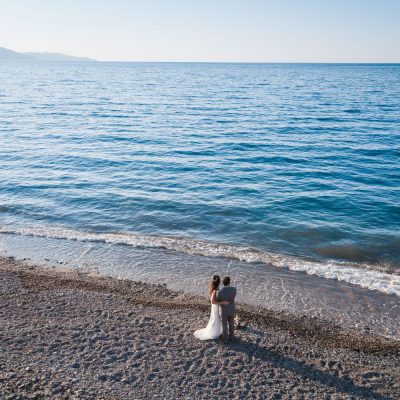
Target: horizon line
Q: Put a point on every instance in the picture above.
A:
(213, 62)
(255, 62)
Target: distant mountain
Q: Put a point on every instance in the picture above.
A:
(10, 55)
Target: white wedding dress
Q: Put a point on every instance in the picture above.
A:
(213, 330)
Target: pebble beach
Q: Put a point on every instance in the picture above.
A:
(69, 335)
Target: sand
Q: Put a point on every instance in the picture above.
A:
(68, 335)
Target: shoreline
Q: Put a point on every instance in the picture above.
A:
(300, 356)
(380, 278)
(261, 285)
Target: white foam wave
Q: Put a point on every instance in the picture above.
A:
(351, 273)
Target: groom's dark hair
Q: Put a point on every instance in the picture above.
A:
(226, 281)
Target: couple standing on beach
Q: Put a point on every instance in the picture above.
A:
(222, 312)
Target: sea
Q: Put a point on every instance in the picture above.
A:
(284, 176)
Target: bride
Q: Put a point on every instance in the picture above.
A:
(213, 330)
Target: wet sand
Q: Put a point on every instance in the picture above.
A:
(64, 334)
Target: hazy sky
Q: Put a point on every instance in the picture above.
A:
(206, 30)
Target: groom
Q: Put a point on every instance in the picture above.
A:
(227, 293)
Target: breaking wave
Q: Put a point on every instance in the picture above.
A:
(365, 275)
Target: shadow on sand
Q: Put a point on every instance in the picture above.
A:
(341, 384)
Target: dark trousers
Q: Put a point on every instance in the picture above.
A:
(228, 320)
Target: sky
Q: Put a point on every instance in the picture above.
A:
(206, 30)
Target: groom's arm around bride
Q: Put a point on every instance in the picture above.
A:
(228, 311)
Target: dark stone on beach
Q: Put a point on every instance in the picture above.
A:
(331, 364)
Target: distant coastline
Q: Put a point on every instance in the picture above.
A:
(11, 55)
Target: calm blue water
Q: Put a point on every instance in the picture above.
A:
(288, 165)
